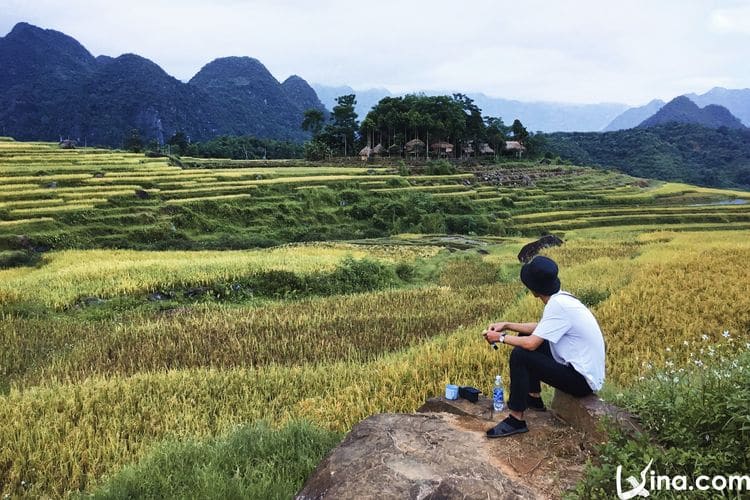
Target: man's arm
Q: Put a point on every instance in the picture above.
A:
(528, 342)
(522, 328)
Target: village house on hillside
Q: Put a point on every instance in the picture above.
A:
(414, 147)
(484, 149)
(515, 147)
(442, 149)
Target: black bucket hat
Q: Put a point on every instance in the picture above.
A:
(540, 276)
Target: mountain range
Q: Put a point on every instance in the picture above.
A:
(683, 110)
(52, 87)
(737, 101)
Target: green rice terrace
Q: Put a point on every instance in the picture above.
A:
(187, 328)
(99, 198)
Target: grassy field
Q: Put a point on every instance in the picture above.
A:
(152, 333)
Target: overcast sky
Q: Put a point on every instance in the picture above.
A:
(583, 51)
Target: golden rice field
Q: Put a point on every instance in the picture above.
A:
(67, 276)
(84, 394)
(115, 389)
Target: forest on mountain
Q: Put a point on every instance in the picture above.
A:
(688, 153)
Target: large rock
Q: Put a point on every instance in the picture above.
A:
(411, 456)
(444, 453)
(590, 415)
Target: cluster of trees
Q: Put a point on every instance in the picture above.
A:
(679, 152)
(392, 123)
(339, 136)
(395, 121)
(225, 146)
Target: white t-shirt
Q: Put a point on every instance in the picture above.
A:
(574, 336)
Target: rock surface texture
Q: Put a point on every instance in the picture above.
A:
(587, 415)
(442, 452)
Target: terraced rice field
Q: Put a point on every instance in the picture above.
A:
(42, 183)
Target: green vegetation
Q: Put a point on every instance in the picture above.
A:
(145, 338)
(253, 461)
(675, 152)
(698, 415)
(90, 198)
(410, 126)
(234, 147)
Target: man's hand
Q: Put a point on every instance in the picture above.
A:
(491, 336)
(498, 327)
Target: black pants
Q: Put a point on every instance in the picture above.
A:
(529, 368)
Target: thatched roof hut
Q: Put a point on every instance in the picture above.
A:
(378, 150)
(68, 144)
(514, 146)
(413, 145)
(442, 147)
(485, 149)
(365, 152)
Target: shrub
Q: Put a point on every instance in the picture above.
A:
(356, 276)
(440, 167)
(17, 258)
(317, 151)
(467, 224)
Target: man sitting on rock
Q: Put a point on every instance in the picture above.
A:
(564, 350)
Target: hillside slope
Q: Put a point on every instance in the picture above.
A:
(679, 152)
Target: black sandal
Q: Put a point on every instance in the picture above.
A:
(504, 429)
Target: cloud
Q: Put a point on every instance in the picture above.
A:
(735, 20)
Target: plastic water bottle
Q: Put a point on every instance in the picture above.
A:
(498, 395)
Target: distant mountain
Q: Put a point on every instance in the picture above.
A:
(366, 98)
(544, 116)
(52, 87)
(550, 116)
(634, 116)
(682, 110)
(41, 70)
(129, 92)
(689, 153)
(737, 101)
(244, 95)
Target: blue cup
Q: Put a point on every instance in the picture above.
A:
(451, 391)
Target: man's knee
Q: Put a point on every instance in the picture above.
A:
(518, 355)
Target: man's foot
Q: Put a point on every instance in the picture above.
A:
(511, 425)
(535, 403)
